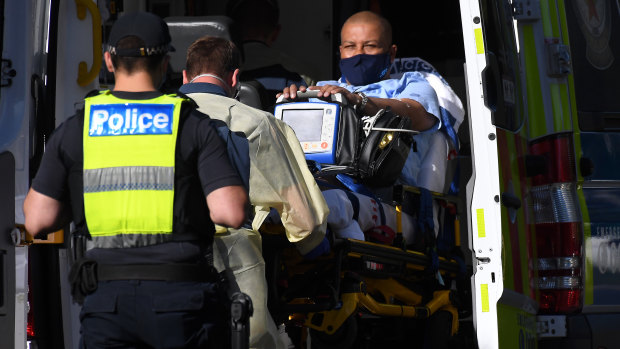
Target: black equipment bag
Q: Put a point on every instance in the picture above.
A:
(378, 158)
(350, 135)
(382, 154)
(374, 157)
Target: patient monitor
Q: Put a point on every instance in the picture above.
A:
(315, 125)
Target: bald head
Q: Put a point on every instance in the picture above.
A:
(366, 33)
(373, 21)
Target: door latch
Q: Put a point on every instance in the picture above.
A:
(8, 73)
(526, 10)
(559, 60)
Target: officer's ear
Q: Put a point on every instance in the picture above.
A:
(107, 57)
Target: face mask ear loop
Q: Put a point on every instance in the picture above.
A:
(235, 93)
(209, 75)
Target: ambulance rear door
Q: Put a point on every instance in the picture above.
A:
(7, 250)
(15, 37)
(499, 237)
(594, 30)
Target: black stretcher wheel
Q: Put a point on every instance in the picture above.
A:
(343, 338)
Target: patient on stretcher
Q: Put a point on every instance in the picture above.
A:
(428, 166)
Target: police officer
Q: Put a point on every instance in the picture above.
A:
(144, 177)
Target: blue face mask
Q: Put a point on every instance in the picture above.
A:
(365, 69)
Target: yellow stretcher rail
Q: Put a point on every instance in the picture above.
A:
(330, 321)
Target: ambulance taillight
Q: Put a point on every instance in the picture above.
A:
(30, 329)
(558, 226)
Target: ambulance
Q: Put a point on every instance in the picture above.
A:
(538, 160)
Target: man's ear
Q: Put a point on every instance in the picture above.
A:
(185, 79)
(393, 49)
(107, 57)
(234, 79)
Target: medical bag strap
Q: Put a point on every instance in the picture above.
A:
(360, 188)
(354, 186)
(398, 196)
(426, 228)
(381, 211)
(355, 202)
(447, 121)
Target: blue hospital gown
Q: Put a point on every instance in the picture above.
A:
(412, 85)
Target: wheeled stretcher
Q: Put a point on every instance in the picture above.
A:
(359, 280)
(405, 265)
(390, 267)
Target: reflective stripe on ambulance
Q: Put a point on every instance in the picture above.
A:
(552, 109)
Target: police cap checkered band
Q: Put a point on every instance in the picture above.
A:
(149, 28)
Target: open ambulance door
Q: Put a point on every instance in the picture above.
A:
(7, 250)
(500, 240)
(14, 79)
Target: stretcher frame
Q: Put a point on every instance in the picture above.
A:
(358, 277)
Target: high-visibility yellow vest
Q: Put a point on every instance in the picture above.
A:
(129, 156)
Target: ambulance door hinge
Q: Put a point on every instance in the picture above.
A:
(8, 73)
(559, 60)
(526, 10)
(551, 325)
(483, 260)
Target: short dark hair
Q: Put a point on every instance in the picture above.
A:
(134, 64)
(210, 54)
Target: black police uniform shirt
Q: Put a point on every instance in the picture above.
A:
(201, 166)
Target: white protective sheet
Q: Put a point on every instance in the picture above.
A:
(342, 211)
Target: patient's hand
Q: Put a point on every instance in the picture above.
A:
(326, 91)
(291, 91)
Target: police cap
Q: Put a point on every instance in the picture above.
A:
(148, 27)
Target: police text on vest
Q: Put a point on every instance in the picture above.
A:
(130, 119)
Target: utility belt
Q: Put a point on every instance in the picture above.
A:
(157, 272)
(86, 273)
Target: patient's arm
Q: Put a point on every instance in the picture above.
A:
(421, 120)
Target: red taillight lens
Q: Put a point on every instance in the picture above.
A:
(558, 239)
(559, 153)
(30, 332)
(30, 326)
(560, 301)
(553, 199)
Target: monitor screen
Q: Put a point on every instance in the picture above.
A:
(307, 123)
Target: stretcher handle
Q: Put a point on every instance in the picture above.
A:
(308, 94)
(300, 95)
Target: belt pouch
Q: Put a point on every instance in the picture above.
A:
(83, 279)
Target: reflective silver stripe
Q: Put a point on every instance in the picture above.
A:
(128, 178)
(127, 240)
